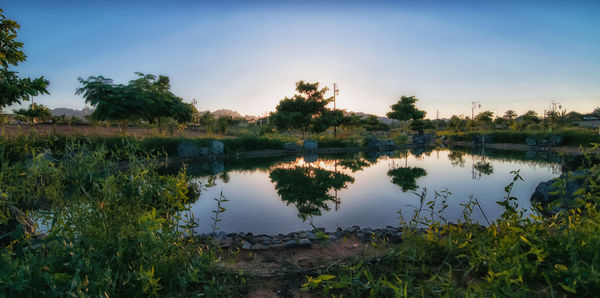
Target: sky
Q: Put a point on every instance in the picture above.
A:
(247, 55)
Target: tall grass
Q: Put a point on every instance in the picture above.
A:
(113, 230)
(515, 256)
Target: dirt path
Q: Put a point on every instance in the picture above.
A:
(281, 272)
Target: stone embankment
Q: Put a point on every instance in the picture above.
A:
(249, 241)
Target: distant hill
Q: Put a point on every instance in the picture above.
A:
(384, 120)
(71, 112)
(234, 114)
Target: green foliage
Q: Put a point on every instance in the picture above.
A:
(40, 112)
(405, 109)
(308, 188)
(570, 137)
(12, 88)
(147, 97)
(406, 177)
(112, 230)
(372, 123)
(305, 110)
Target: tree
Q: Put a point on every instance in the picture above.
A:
(510, 115)
(405, 110)
(147, 97)
(485, 118)
(33, 113)
(12, 88)
(531, 117)
(308, 188)
(406, 177)
(372, 123)
(303, 110)
(457, 123)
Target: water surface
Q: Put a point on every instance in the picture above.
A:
(369, 189)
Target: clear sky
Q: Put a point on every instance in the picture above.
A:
(247, 55)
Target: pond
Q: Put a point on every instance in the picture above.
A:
(369, 189)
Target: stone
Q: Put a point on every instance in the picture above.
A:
(189, 149)
(291, 146)
(259, 246)
(217, 148)
(555, 140)
(290, 244)
(304, 242)
(310, 145)
(246, 245)
(225, 243)
(311, 236)
(543, 192)
(46, 155)
(353, 229)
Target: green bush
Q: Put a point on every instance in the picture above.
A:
(112, 230)
(569, 137)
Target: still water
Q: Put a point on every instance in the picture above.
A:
(368, 189)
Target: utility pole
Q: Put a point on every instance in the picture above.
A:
(474, 105)
(553, 112)
(336, 91)
(196, 116)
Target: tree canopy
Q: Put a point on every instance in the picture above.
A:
(12, 88)
(405, 109)
(147, 97)
(306, 110)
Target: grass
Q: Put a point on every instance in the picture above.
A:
(113, 230)
(570, 137)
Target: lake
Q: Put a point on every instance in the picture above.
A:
(369, 189)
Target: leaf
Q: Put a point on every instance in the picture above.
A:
(326, 277)
(526, 241)
(561, 267)
(568, 289)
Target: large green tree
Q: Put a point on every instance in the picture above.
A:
(405, 110)
(147, 97)
(14, 89)
(304, 111)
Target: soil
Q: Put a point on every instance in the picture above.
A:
(281, 272)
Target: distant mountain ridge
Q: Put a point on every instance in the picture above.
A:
(71, 112)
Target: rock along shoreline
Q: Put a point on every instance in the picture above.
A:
(299, 239)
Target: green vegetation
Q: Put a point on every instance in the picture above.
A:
(112, 230)
(516, 255)
(34, 113)
(568, 137)
(12, 88)
(148, 97)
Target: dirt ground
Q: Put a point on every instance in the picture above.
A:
(281, 272)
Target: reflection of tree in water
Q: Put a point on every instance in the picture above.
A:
(308, 188)
(457, 158)
(406, 177)
(484, 167)
(354, 164)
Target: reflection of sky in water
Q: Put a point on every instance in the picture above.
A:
(372, 200)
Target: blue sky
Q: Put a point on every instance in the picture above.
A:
(246, 56)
